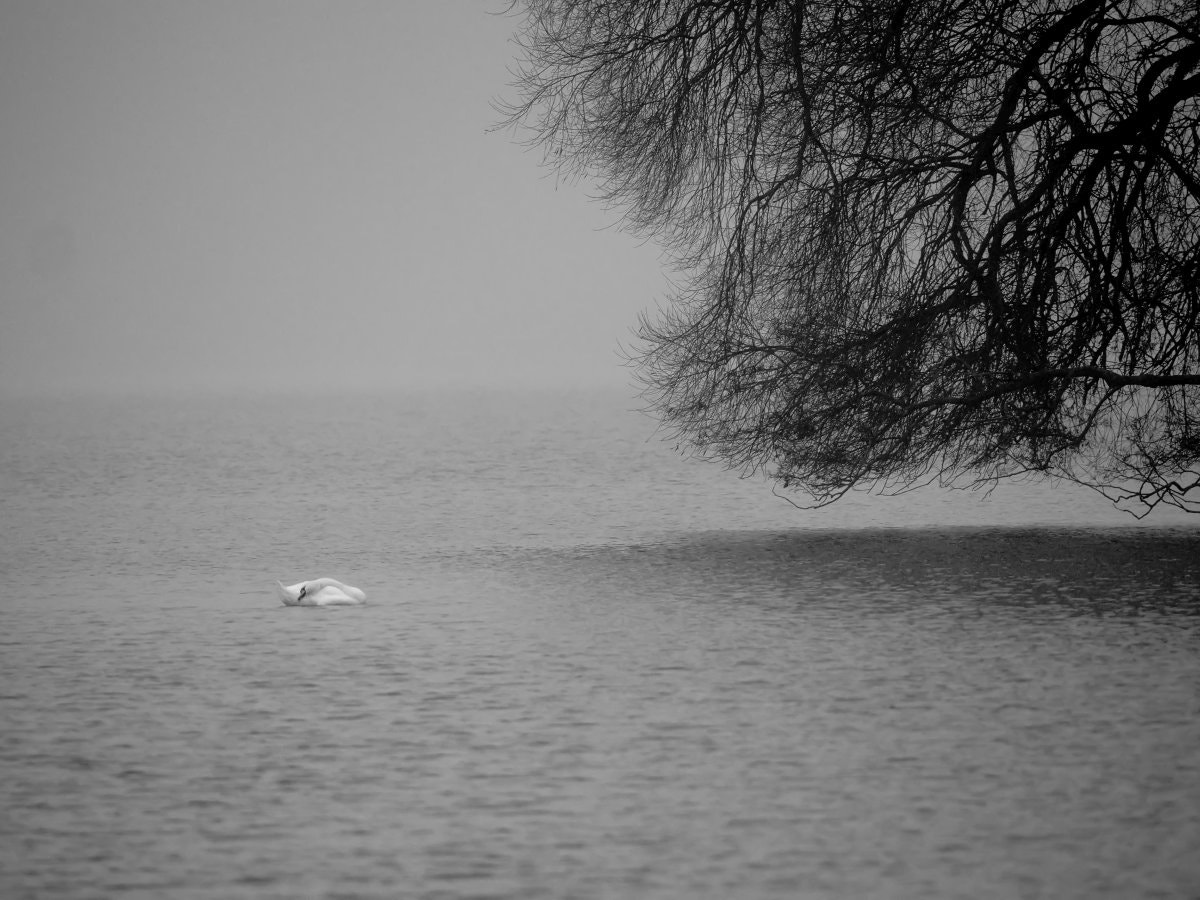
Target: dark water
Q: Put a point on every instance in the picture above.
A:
(588, 668)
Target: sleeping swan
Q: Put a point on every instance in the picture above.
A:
(320, 592)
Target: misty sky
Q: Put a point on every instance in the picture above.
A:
(285, 193)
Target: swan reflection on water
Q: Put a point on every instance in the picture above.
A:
(320, 592)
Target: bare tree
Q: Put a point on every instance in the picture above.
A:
(949, 239)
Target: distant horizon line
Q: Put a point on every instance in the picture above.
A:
(111, 391)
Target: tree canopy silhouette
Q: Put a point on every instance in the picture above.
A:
(948, 239)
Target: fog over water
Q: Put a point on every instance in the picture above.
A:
(274, 304)
(586, 667)
(289, 194)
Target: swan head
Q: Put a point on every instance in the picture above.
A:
(303, 592)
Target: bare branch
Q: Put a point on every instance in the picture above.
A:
(935, 240)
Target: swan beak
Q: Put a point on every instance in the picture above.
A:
(303, 591)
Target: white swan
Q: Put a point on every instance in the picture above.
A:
(320, 592)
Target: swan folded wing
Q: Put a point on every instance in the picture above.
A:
(332, 584)
(328, 596)
(355, 593)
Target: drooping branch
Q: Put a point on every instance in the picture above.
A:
(914, 238)
(1033, 379)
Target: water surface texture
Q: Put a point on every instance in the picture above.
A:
(588, 668)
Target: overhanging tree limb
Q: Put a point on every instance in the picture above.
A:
(948, 237)
(1112, 379)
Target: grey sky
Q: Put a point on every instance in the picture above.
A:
(276, 193)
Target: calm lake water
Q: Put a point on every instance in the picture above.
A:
(588, 667)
